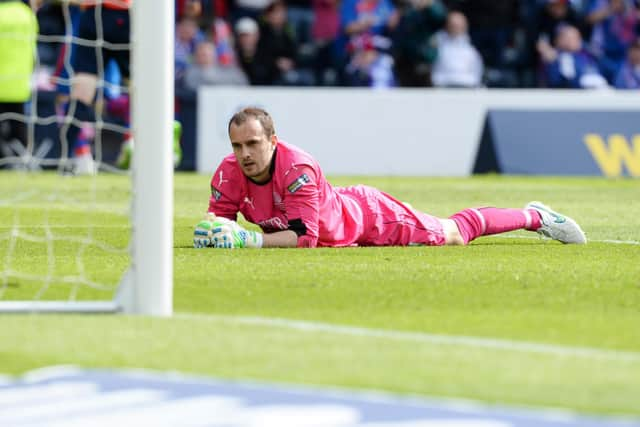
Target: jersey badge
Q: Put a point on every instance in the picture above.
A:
(299, 183)
(215, 193)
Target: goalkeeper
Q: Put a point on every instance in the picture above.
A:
(283, 190)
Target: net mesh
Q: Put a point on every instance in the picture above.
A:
(63, 237)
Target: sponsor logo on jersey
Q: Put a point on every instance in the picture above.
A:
(249, 201)
(298, 183)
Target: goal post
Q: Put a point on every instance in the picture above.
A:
(146, 287)
(152, 174)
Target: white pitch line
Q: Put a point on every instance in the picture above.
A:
(614, 242)
(619, 242)
(437, 339)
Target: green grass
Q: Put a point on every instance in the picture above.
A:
(515, 288)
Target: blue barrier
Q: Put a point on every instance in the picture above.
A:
(560, 143)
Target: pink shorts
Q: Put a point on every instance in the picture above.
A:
(389, 222)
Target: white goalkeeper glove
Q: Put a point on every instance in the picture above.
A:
(224, 233)
(202, 233)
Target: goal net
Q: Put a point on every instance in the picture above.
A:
(102, 240)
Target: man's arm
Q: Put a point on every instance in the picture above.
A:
(221, 232)
(225, 191)
(280, 239)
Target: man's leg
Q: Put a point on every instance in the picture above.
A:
(390, 222)
(451, 232)
(13, 129)
(81, 110)
(13, 133)
(473, 223)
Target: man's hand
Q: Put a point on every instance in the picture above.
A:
(224, 233)
(202, 234)
(229, 235)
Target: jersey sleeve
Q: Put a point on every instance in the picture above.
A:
(302, 203)
(224, 190)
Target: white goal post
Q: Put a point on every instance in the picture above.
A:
(151, 287)
(147, 287)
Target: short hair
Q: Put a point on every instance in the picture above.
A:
(259, 114)
(246, 25)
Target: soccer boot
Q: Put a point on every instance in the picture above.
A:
(557, 226)
(177, 148)
(126, 153)
(84, 165)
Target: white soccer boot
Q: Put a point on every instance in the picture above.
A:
(84, 165)
(557, 226)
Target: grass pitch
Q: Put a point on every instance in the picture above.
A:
(510, 319)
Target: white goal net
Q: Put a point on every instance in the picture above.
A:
(78, 233)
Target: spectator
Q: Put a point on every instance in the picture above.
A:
(370, 64)
(275, 61)
(413, 43)
(223, 40)
(326, 25)
(188, 9)
(247, 36)
(372, 17)
(18, 32)
(251, 8)
(300, 16)
(458, 63)
(205, 71)
(628, 76)
(51, 23)
(492, 25)
(568, 64)
(114, 19)
(325, 31)
(204, 12)
(359, 20)
(187, 37)
(554, 13)
(614, 29)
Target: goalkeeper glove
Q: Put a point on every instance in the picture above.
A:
(202, 233)
(224, 233)
(229, 235)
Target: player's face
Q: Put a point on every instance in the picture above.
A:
(253, 150)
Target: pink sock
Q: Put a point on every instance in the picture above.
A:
(473, 223)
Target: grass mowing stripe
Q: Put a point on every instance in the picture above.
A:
(517, 290)
(461, 340)
(232, 350)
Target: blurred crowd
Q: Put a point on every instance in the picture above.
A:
(398, 43)
(572, 44)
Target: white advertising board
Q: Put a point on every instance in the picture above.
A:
(403, 132)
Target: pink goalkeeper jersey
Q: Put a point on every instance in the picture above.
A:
(298, 190)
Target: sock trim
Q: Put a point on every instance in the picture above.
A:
(481, 218)
(528, 219)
